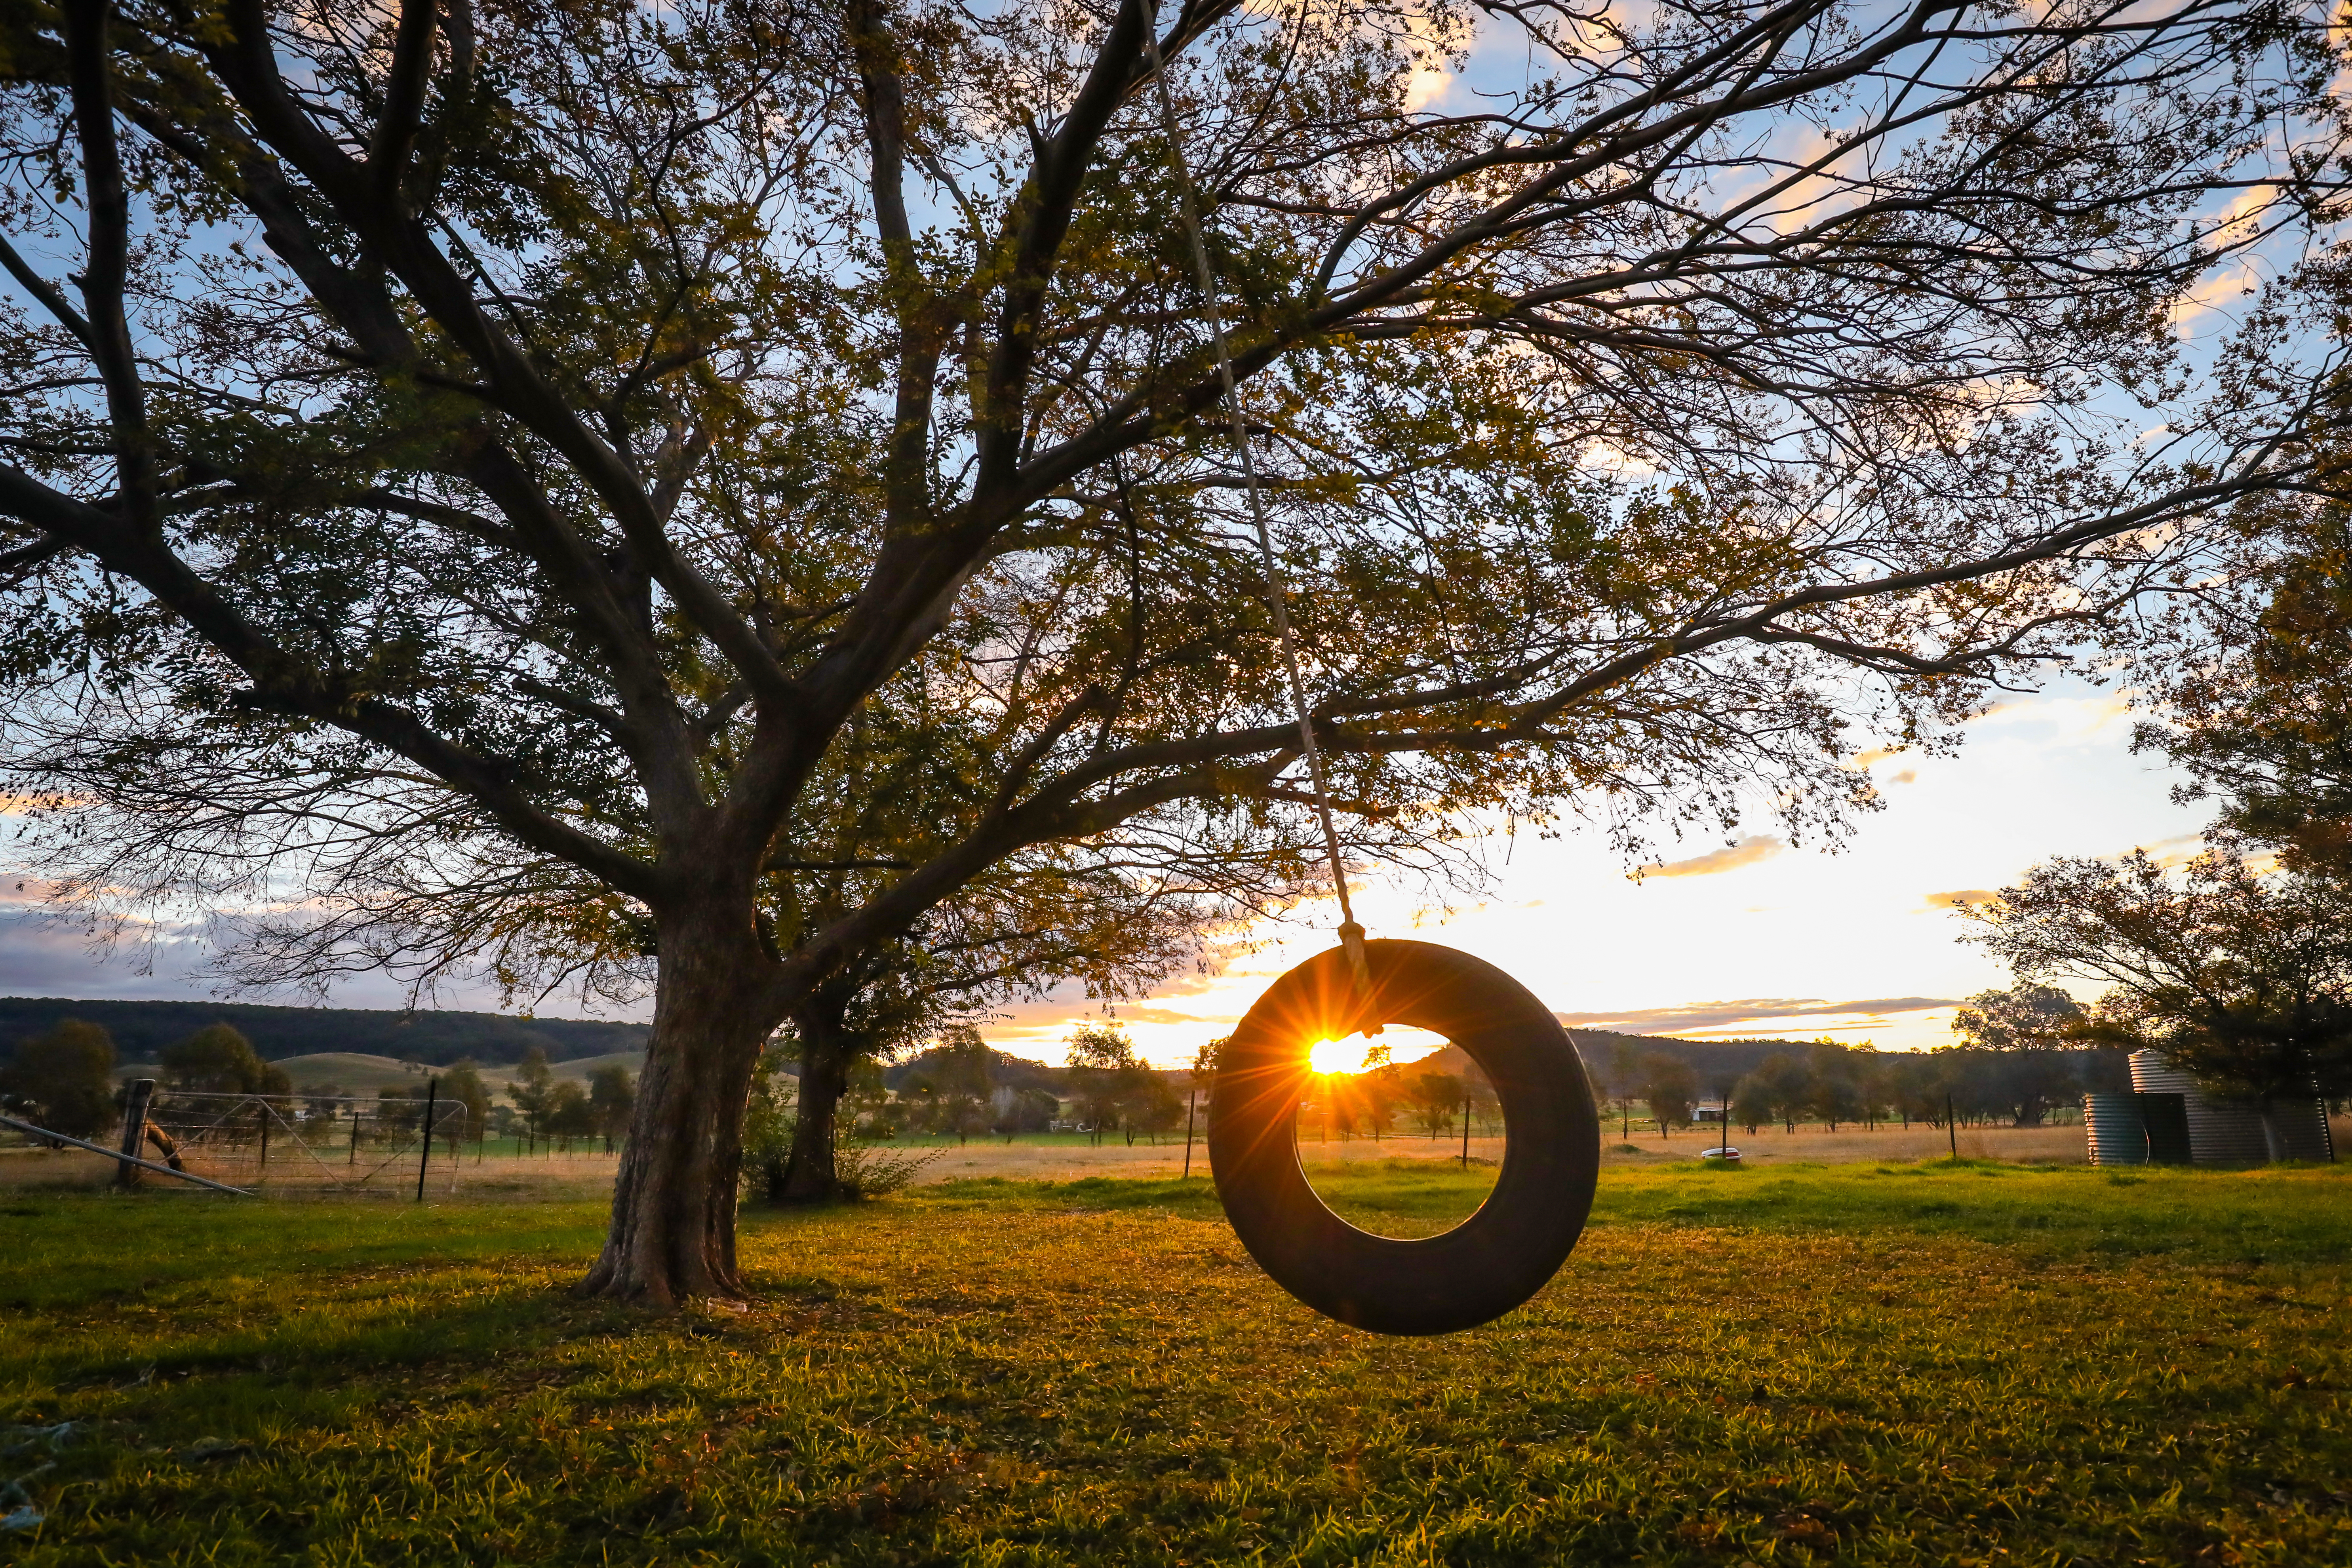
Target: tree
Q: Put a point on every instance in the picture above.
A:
(1028, 1109)
(462, 1083)
(611, 1096)
(1921, 1086)
(2026, 1017)
(1788, 1082)
(1481, 1104)
(63, 1078)
(1435, 1097)
(569, 1113)
(694, 498)
(2242, 979)
(1670, 1090)
(1624, 1083)
(962, 1076)
(1834, 1091)
(1752, 1103)
(218, 1059)
(1149, 1105)
(1103, 1065)
(2254, 685)
(533, 1089)
(1377, 1092)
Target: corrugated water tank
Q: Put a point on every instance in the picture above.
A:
(2229, 1132)
(2136, 1129)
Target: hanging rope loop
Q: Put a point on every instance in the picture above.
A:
(1352, 935)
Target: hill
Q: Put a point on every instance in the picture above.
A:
(142, 1029)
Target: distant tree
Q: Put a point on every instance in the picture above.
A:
(1670, 1088)
(569, 1113)
(462, 1084)
(1030, 1109)
(1377, 1094)
(1434, 1098)
(919, 1100)
(2030, 1031)
(1836, 1094)
(2242, 979)
(864, 1105)
(1102, 1066)
(1624, 1083)
(218, 1059)
(1788, 1083)
(1148, 1104)
(63, 1078)
(1484, 1106)
(2025, 1018)
(1752, 1103)
(963, 1075)
(1918, 1083)
(611, 1096)
(532, 1090)
(398, 1113)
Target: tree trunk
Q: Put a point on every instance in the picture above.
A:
(673, 1231)
(827, 1049)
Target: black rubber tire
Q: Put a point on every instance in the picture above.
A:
(1489, 1263)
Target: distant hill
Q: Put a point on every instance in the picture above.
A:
(141, 1029)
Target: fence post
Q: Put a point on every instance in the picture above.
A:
(1192, 1101)
(1951, 1132)
(1466, 1131)
(134, 1128)
(424, 1152)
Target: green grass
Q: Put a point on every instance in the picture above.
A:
(1933, 1364)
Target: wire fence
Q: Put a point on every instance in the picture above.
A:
(327, 1142)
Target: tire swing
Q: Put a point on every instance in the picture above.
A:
(1507, 1250)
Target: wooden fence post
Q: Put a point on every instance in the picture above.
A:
(424, 1152)
(134, 1128)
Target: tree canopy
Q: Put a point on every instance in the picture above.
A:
(702, 495)
(2254, 686)
(63, 1078)
(2243, 979)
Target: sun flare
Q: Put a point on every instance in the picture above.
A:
(1355, 1054)
(1339, 1055)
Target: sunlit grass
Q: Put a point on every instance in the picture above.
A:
(1907, 1364)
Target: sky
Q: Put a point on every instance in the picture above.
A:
(1742, 939)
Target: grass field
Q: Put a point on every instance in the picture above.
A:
(1935, 1363)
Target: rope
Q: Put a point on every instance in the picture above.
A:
(1351, 935)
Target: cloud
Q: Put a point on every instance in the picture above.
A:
(2075, 719)
(2175, 851)
(1719, 1017)
(1747, 852)
(1961, 898)
(1130, 1013)
(42, 958)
